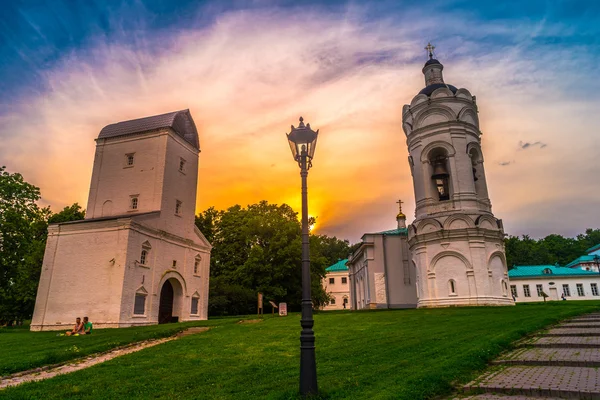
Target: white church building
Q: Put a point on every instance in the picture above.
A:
(137, 258)
(453, 252)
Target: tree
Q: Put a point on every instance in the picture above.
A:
(70, 213)
(207, 222)
(553, 249)
(22, 242)
(258, 249)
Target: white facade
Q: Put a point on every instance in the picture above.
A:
(456, 243)
(380, 272)
(574, 287)
(137, 258)
(337, 285)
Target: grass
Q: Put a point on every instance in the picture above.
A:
(22, 350)
(403, 354)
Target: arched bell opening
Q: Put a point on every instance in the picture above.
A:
(440, 174)
(478, 174)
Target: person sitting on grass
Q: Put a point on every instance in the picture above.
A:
(77, 329)
(87, 326)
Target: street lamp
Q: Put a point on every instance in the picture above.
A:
(303, 142)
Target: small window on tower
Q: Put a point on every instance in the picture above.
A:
(129, 160)
(178, 207)
(145, 254)
(134, 202)
(174, 263)
(181, 165)
(452, 287)
(143, 257)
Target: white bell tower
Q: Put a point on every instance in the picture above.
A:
(455, 241)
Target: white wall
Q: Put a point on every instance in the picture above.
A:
(82, 275)
(337, 290)
(558, 286)
(113, 180)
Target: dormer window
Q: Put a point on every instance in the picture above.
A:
(134, 202)
(547, 271)
(181, 165)
(129, 159)
(178, 207)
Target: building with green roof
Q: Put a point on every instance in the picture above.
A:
(589, 261)
(379, 270)
(529, 283)
(337, 286)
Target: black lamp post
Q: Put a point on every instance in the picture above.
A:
(303, 141)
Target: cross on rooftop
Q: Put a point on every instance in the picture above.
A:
(430, 49)
(399, 202)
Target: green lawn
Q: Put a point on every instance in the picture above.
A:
(404, 354)
(21, 350)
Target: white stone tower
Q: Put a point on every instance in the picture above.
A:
(137, 258)
(455, 241)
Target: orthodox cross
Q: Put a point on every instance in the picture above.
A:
(430, 49)
(399, 202)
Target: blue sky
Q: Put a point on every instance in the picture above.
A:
(247, 69)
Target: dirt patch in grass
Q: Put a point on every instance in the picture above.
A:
(250, 321)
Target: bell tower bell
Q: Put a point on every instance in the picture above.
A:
(456, 243)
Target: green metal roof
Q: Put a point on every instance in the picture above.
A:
(397, 231)
(593, 248)
(579, 260)
(339, 266)
(532, 271)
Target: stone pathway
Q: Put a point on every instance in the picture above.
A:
(561, 363)
(39, 374)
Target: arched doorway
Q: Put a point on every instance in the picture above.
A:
(165, 307)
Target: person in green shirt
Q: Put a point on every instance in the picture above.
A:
(87, 326)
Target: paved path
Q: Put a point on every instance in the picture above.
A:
(40, 374)
(560, 363)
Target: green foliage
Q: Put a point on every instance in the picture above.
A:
(550, 250)
(400, 354)
(258, 249)
(22, 242)
(23, 232)
(230, 298)
(70, 213)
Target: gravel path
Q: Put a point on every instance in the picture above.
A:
(39, 374)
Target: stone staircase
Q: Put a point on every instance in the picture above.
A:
(561, 363)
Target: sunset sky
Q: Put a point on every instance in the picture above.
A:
(248, 70)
